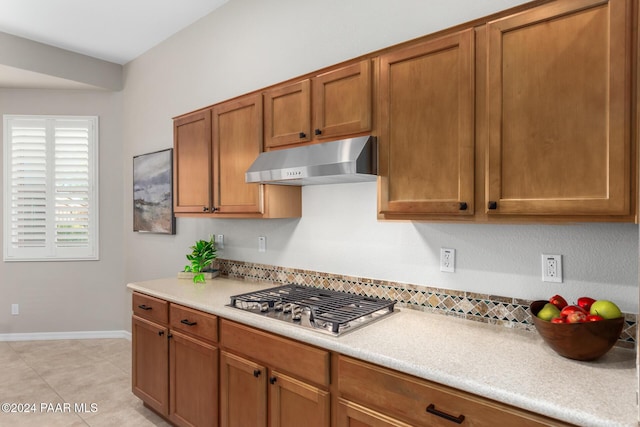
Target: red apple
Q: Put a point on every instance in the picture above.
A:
(558, 301)
(576, 317)
(594, 318)
(572, 309)
(559, 320)
(585, 302)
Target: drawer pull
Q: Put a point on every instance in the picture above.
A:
(144, 307)
(273, 380)
(186, 322)
(256, 373)
(432, 410)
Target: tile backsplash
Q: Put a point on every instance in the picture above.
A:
(492, 309)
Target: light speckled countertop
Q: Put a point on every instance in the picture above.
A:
(510, 366)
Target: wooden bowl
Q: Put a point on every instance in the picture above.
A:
(578, 341)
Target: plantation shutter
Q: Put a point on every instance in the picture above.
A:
(50, 206)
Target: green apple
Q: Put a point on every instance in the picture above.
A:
(548, 312)
(606, 309)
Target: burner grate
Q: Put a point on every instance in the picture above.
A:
(335, 309)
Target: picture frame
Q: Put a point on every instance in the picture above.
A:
(153, 193)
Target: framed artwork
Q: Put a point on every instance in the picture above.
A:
(153, 193)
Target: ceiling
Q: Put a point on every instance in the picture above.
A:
(113, 30)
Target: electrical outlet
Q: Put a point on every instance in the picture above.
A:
(552, 268)
(447, 260)
(262, 244)
(220, 241)
(15, 309)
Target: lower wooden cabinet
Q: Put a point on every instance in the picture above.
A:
(150, 364)
(376, 396)
(259, 379)
(353, 415)
(193, 381)
(175, 370)
(243, 392)
(270, 380)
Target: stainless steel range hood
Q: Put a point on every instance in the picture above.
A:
(347, 160)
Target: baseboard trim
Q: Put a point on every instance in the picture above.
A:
(72, 335)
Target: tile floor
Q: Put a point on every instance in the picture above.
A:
(70, 383)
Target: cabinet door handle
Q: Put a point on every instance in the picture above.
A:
(273, 380)
(463, 206)
(492, 205)
(188, 323)
(256, 373)
(145, 307)
(205, 209)
(432, 410)
(318, 132)
(302, 135)
(160, 333)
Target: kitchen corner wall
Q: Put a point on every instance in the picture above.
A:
(249, 44)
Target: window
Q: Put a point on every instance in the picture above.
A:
(50, 188)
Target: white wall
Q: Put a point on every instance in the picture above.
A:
(249, 44)
(72, 296)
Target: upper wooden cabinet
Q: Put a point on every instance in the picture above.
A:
(426, 139)
(559, 107)
(237, 141)
(342, 101)
(338, 101)
(212, 151)
(192, 162)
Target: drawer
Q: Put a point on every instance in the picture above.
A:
(300, 360)
(150, 308)
(194, 322)
(423, 403)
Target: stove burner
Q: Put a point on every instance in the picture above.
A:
(324, 310)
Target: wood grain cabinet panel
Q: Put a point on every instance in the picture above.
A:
(150, 364)
(421, 403)
(342, 101)
(353, 415)
(559, 110)
(332, 104)
(213, 149)
(175, 363)
(192, 163)
(243, 392)
(287, 118)
(193, 382)
(426, 141)
(294, 402)
(237, 141)
(270, 380)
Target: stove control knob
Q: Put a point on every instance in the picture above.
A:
(287, 307)
(277, 306)
(264, 307)
(296, 312)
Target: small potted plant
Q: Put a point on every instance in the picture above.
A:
(201, 257)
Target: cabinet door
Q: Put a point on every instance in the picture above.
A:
(287, 114)
(243, 392)
(426, 143)
(354, 415)
(237, 141)
(193, 379)
(150, 364)
(191, 162)
(342, 101)
(558, 88)
(295, 403)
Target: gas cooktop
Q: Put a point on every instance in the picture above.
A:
(323, 310)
